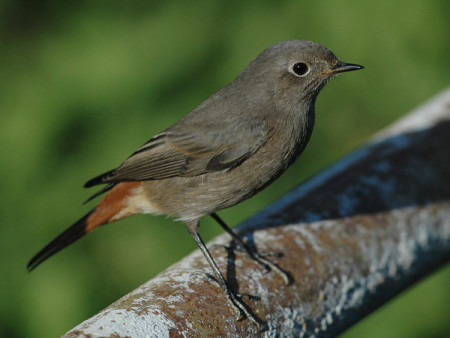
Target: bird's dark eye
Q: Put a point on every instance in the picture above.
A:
(300, 68)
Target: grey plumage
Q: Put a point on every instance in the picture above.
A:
(238, 140)
(231, 146)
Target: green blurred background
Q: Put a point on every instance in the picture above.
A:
(83, 84)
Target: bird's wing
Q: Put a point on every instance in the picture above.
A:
(181, 152)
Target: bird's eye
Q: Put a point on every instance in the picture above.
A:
(300, 69)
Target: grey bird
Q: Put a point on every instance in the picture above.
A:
(235, 143)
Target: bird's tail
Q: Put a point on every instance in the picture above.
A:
(76, 231)
(111, 208)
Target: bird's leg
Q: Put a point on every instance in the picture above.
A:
(233, 299)
(267, 264)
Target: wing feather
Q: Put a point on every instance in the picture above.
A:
(178, 152)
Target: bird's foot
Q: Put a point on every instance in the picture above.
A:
(267, 264)
(240, 309)
(261, 258)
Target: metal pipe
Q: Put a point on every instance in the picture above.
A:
(352, 237)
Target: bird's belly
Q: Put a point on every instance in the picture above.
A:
(189, 198)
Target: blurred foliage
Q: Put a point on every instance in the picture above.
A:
(83, 83)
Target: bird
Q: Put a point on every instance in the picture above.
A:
(233, 145)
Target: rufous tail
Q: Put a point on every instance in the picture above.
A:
(108, 210)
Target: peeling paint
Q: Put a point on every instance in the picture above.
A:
(121, 323)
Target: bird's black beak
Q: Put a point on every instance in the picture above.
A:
(342, 67)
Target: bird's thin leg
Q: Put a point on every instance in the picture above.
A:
(234, 300)
(259, 258)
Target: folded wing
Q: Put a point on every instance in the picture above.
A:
(183, 151)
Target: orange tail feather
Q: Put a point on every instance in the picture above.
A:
(105, 212)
